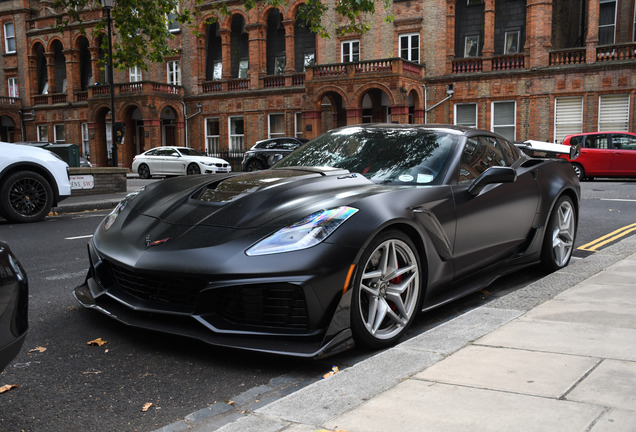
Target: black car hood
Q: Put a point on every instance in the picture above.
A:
(250, 199)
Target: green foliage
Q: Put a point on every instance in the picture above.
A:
(140, 27)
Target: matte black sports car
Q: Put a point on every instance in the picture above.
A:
(341, 242)
(14, 293)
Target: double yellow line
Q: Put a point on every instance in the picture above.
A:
(593, 246)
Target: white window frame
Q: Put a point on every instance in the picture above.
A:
(9, 37)
(244, 66)
(618, 107)
(43, 133)
(13, 90)
(134, 74)
(467, 39)
(352, 56)
(174, 72)
(494, 127)
(171, 21)
(86, 149)
(472, 124)
(516, 35)
(212, 141)
(236, 142)
(568, 122)
(58, 129)
(614, 24)
(271, 124)
(409, 37)
(298, 124)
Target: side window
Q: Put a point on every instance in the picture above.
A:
(624, 142)
(596, 141)
(479, 154)
(510, 151)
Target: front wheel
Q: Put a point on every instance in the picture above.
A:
(254, 165)
(386, 291)
(25, 196)
(558, 243)
(193, 169)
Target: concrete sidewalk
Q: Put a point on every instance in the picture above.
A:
(567, 363)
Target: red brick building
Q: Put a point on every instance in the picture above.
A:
(523, 68)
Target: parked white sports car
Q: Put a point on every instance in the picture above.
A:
(177, 161)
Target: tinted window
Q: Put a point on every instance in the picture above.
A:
(596, 141)
(152, 152)
(479, 154)
(510, 150)
(624, 142)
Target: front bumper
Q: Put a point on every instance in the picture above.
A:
(276, 314)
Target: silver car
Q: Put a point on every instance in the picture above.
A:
(177, 161)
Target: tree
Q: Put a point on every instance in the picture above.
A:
(141, 26)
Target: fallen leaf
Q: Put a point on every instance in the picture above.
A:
(147, 406)
(38, 349)
(96, 342)
(6, 388)
(245, 412)
(231, 402)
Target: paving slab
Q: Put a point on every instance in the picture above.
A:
(597, 312)
(615, 420)
(601, 292)
(565, 338)
(519, 371)
(611, 384)
(417, 406)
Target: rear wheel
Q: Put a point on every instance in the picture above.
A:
(254, 165)
(386, 291)
(143, 171)
(25, 196)
(580, 172)
(193, 169)
(558, 243)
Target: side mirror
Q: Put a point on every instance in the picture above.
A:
(575, 151)
(175, 154)
(495, 174)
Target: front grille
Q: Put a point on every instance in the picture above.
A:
(279, 306)
(156, 287)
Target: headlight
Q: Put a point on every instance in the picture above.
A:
(110, 219)
(305, 233)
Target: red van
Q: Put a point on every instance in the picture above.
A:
(604, 154)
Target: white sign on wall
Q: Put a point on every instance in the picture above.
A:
(82, 182)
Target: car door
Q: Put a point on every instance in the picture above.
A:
(172, 162)
(623, 161)
(495, 223)
(596, 154)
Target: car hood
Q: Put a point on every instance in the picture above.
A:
(250, 199)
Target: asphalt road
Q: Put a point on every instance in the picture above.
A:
(66, 384)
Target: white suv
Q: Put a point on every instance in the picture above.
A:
(32, 180)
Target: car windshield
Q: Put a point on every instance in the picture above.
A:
(383, 155)
(189, 152)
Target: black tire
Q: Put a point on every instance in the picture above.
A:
(254, 165)
(560, 233)
(143, 171)
(25, 196)
(193, 169)
(580, 172)
(386, 291)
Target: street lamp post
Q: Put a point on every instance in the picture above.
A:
(107, 5)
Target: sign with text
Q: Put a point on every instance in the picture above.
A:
(82, 182)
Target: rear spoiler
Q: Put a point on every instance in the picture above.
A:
(548, 150)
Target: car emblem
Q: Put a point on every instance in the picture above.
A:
(150, 243)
